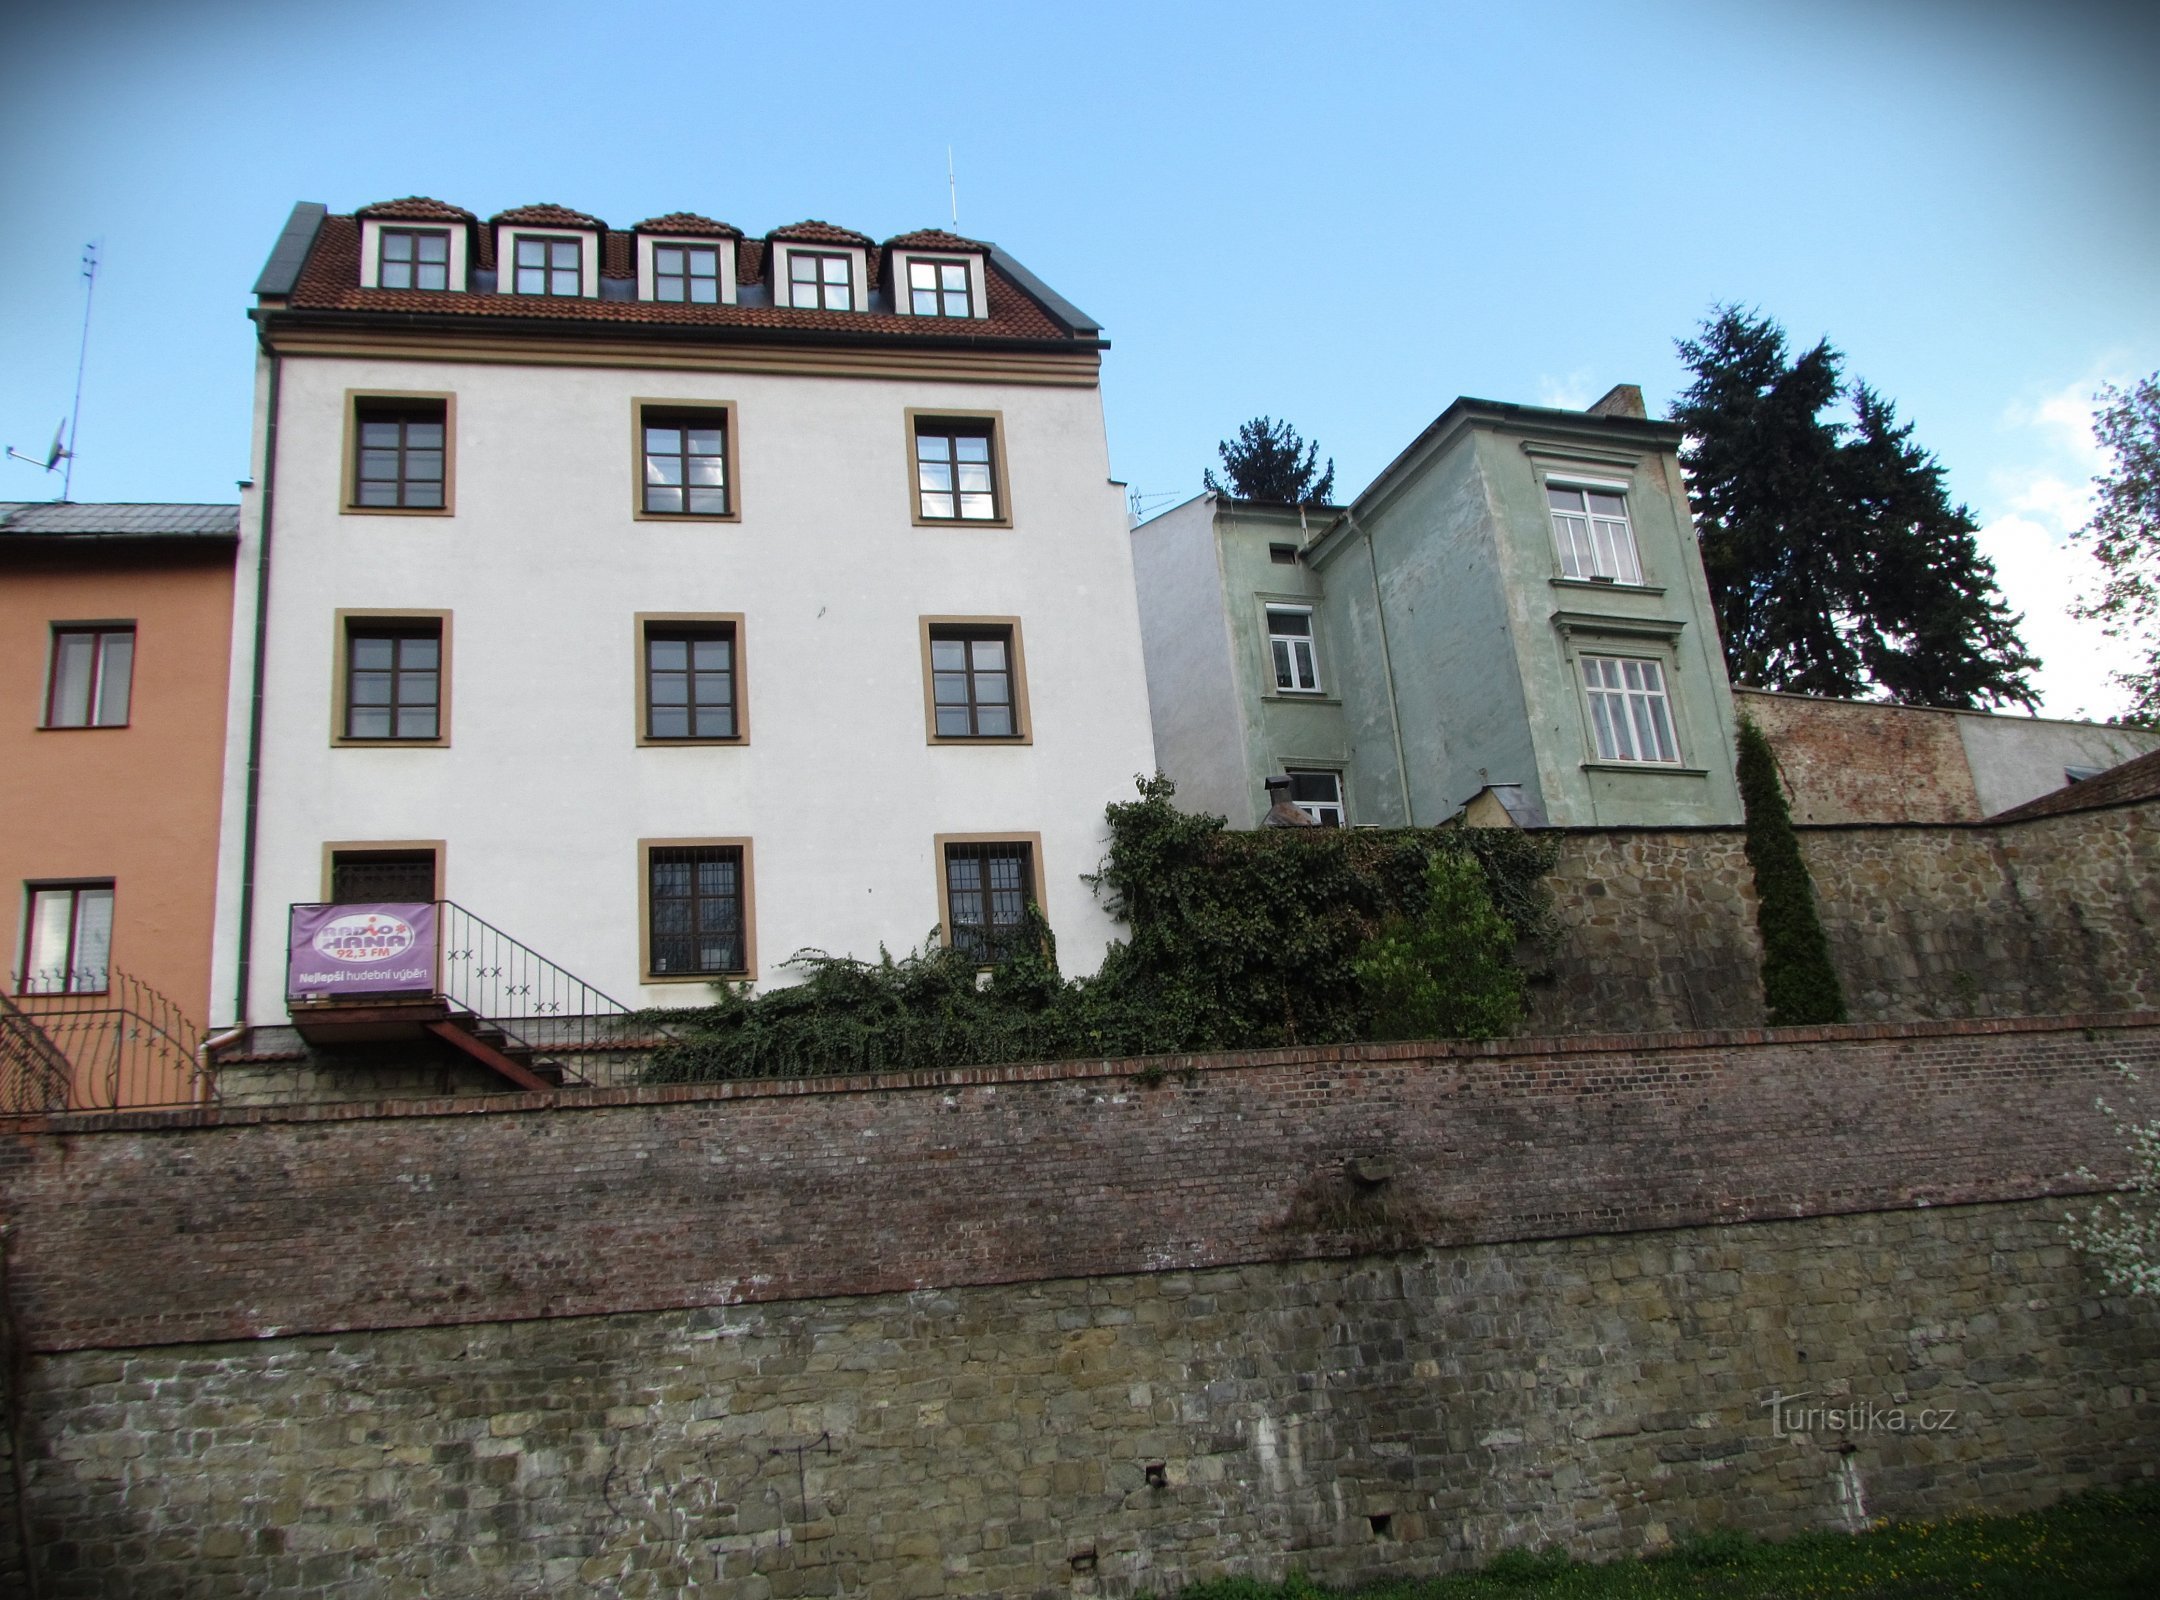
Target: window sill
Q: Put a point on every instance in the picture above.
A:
(82, 727)
(963, 522)
(338, 743)
(1665, 769)
(647, 743)
(395, 511)
(1597, 587)
(1300, 697)
(697, 977)
(686, 516)
(989, 740)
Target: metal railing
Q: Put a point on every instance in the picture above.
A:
(120, 1048)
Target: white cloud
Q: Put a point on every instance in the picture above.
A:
(1570, 393)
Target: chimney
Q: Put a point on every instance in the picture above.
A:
(1281, 813)
(1621, 400)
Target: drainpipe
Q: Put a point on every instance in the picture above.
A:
(1387, 670)
(255, 709)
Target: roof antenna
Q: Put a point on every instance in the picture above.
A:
(952, 187)
(63, 440)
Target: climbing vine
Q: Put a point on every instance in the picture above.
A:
(1234, 941)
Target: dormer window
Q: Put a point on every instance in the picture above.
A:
(818, 281)
(548, 265)
(939, 289)
(413, 258)
(687, 272)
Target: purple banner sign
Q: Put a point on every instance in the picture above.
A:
(360, 949)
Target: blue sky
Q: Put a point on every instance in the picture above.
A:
(1346, 215)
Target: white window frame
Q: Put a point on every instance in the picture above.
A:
(1592, 550)
(648, 276)
(1288, 644)
(75, 974)
(371, 230)
(1317, 809)
(783, 274)
(903, 264)
(1629, 708)
(588, 243)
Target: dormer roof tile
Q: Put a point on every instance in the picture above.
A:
(546, 216)
(815, 232)
(415, 208)
(689, 222)
(933, 239)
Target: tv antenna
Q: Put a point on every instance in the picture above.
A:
(952, 187)
(64, 436)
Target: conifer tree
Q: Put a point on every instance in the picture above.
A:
(1837, 563)
(1268, 461)
(2125, 535)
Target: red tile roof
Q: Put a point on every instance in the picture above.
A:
(688, 222)
(546, 216)
(2134, 780)
(933, 239)
(330, 281)
(815, 232)
(416, 208)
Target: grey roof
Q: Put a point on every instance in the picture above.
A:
(68, 519)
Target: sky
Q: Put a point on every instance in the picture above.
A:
(1344, 215)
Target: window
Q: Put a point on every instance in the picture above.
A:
(413, 258)
(1629, 713)
(545, 266)
(393, 680)
(1591, 528)
(975, 679)
(955, 470)
(1317, 794)
(401, 461)
(1282, 554)
(697, 900)
(939, 289)
(687, 272)
(684, 457)
(988, 888)
(1290, 643)
(692, 681)
(393, 875)
(819, 282)
(93, 669)
(67, 938)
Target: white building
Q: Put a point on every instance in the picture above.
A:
(599, 564)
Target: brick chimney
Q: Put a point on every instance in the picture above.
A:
(1621, 400)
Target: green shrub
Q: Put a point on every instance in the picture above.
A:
(1447, 971)
(1800, 985)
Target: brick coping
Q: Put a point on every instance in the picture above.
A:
(1082, 1070)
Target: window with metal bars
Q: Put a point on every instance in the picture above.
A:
(401, 456)
(1630, 716)
(67, 938)
(988, 888)
(694, 909)
(687, 272)
(374, 877)
(393, 680)
(413, 258)
(686, 466)
(551, 267)
(973, 683)
(820, 282)
(690, 681)
(940, 289)
(91, 676)
(955, 472)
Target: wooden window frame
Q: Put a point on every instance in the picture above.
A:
(74, 887)
(386, 233)
(646, 975)
(925, 419)
(525, 235)
(333, 848)
(1016, 652)
(941, 841)
(100, 633)
(936, 263)
(340, 658)
(724, 410)
(794, 253)
(349, 483)
(719, 277)
(691, 621)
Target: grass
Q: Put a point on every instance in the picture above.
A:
(2099, 1546)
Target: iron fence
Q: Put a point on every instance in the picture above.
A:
(120, 1048)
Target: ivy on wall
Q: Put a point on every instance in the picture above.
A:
(1800, 985)
(1236, 941)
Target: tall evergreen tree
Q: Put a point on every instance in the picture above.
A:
(2125, 535)
(1837, 563)
(1268, 461)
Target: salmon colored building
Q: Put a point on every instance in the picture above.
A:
(115, 635)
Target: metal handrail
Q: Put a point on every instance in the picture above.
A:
(121, 1046)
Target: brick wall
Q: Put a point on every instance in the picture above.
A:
(1844, 761)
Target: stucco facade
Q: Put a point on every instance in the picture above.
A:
(541, 791)
(1454, 650)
